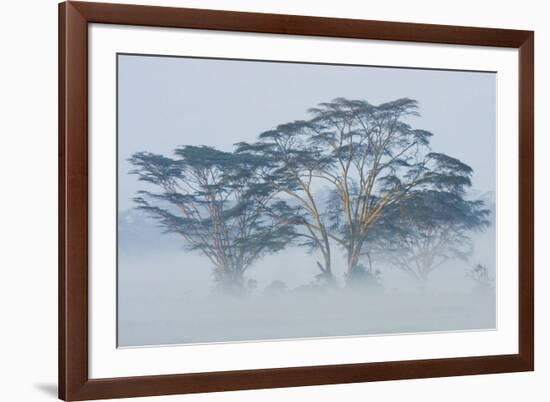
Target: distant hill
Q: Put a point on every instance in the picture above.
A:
(138, 232)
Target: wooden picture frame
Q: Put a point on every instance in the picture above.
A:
(74, 381)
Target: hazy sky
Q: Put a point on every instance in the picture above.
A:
(163, 290)
(165, 102)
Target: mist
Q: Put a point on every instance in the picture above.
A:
(168, 294)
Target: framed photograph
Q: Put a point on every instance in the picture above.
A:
(259, 200)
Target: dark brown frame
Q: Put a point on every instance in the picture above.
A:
(74, 383)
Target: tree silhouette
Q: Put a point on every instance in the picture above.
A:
(216, 203)
(426, 230)
(480, 275)
(370, 158)
(355, 174)
(292, 163)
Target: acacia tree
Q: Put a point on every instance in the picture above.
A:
(216, 203)
(368, 155)
(292, 163)
(480, 275)
(425, 231)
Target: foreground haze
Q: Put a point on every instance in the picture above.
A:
(286, 303)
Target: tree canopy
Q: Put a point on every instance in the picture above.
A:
(426, 230)
(353, 175)
(216, 203)
(369, 156)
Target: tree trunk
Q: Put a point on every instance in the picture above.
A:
(359, 277)
(353, 260)
(326, 266)
(230, 281)
(326, 272)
